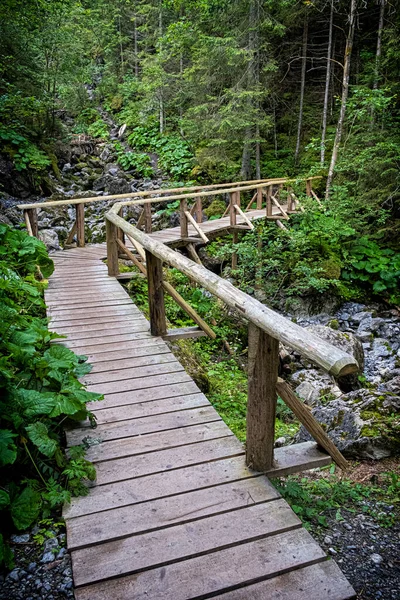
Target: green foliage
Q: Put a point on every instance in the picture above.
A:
(39, 389)
(314, 500)
(138, 161)
(98, 129)
(22, 152)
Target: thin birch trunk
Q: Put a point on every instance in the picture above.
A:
(135, 47)
(327, 85)
(345, 93)
(302, 88)
(379, 44)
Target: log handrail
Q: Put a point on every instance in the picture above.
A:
(328, 357)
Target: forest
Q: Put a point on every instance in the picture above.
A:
(171, 93)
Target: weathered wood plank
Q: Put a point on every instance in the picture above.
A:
(103, 341)
(102, 312)
(131, 351)
(93, 323)
(126, 363)
(132, 373)
(296, 458)
(109, 347)
(147, 409)
(150, 487)
(140, 426)
(322, 581)
(157, 441)
(126, 385)
(214, 572)
(103, 332)
(165, 512)
(130, 467)
(212, 533)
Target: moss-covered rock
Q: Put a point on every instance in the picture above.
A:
(216, 209)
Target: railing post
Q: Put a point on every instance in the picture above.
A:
(80, 224)
(263, 356)
(308, 187)
(259, 198)
(234, 198)
(199, 210)
(269, 201)
(147, 217)
(120, 232)
(33, 220)
(183, 219)
(112, 249)
(158, 324)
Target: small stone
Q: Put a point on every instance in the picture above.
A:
(281, 441)
(377, 559)
(14, 575)
(332, 551)
(50, 544)
(328, 540)
(47, 557)
(20, 539)
(62, 553)
(347, 526)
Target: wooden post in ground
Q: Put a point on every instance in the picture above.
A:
(309, 187)
(120, 233)
(80, 225)
(158, 324)
(112, 249)
(33, 220)
(234, 254)
(199, 210)
(234, 198)
(147, 217)
(269, 201)
(183, 218)
(259, 198)
(261, 404)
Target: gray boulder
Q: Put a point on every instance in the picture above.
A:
(361, 424)
(50, 238)
(345, 341)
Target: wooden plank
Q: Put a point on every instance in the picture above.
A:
(100, 341)
(93, 292)
(156, 347)
(261, 406)
(141, 426)
(126, 363)
(86, 317)
(80, 286)
(92, 300)
(130, 467)
(165, 512)
(297, 458)
(147, 409)
(80, 224)
(147, 394)
(112, 249)
(322, 581)
(103, 331)
(109, 347)
(126, 385)
(150, 487)
(181, 333)
(212, 533)
(157, 441)
(91, 323)
(132, 373)
(212, 573)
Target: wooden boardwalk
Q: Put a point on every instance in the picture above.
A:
(174, 513)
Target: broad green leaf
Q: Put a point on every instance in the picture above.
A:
(25, 508)
(39, 435)
(4, 499)
(8, 450)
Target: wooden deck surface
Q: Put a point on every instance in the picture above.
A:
(174, 513)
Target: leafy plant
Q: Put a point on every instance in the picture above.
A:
(138, 161)
(39, 389)
(98, 129)
(22, 152)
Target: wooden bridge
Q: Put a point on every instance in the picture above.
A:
(180, 510)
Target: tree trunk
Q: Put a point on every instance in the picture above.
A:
(379, 44)
(302, 87)
(135, 46)
(245, 171)
(327, 84)
(345, 93)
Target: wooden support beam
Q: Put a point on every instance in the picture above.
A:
(269, 202)
(281, 225)
(193, 254)
(112, 249)
(235, 239)
(80, 225)
(147, 218)
(314, 195)
(245, 219)
(283, 212)
(71, 234)
(184, 222)
(182, 333)
(261, 404)
(158, 323)
(33, 219)
(197, 227)
(259, 198)
(298, 457)
(234, 200)
(139, 248)
(308, 186)
(141, 219)
(28, 223)
(132, 257)
(251, 201)
(305, 417)
(121, 233)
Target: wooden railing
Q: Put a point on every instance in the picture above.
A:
(266, 193)
(266, 329)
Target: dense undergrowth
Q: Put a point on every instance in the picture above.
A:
(39, 392)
